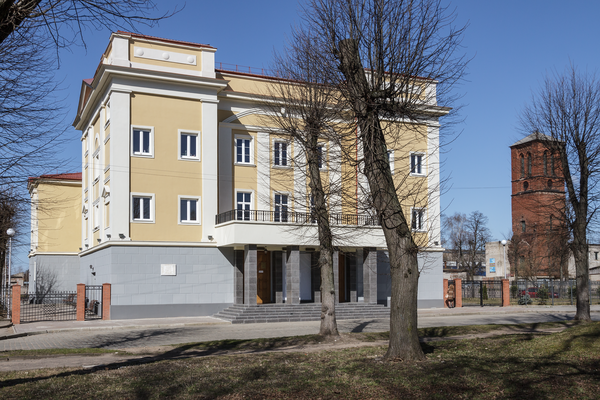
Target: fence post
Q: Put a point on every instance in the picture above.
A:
(505, 293)
(16, 305)
(481, 293)
(458, 292)
(106, 301)
(445, 294)
(81, 302)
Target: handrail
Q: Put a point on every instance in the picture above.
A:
(293, 217)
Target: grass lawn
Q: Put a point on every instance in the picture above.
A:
(561, 365)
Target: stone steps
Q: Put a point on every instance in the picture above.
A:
(244, 314)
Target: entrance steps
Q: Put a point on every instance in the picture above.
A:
(250, 314)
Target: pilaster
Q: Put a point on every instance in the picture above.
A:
(250, 278)
(292, 278)
(370, 275)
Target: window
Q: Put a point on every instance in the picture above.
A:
(550, 183)
(525, 185)
(189, 210)
(595, 255)
(552, 165)
(523, 226)
(142, 142)
(189, 146)
(390, 158)
(281, 207)
(417, 220)
(416, 164)
(243, 150)
(528, 164)
(545, 163)
(322, 156)
(280, 154)
(244, 204)
(142, 207)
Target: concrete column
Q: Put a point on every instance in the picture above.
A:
(336, 275)
(359, 274)
(106, 301)
(458, 292)
(278, 276)
(238, 276)
(352, 278)
(315, 278)
(250, 279)
(16, 305)
(370, 275)
(80, 302)
(292, 275)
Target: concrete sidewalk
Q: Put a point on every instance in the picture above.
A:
(34, 328)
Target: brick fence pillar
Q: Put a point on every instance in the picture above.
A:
(458, 292)
(80, 302)
(16, 304)
(505, 293)
(445, 293)
(106, 301)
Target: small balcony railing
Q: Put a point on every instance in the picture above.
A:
(293, 217)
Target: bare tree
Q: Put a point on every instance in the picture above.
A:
(467, 236)
(567, 109)
(301, 106)
(391, 61)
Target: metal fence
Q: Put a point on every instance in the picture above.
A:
(50, 306)
(93, 301)
(5, 294)
(550, 291)
(293, 217)
(481, 293)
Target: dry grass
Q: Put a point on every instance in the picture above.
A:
(561, 365)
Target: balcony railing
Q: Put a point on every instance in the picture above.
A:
(293, 217)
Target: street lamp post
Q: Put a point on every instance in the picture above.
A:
(10, 232)
(504, 263)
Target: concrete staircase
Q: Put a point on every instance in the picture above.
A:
(247, 314)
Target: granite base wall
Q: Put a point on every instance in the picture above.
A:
(203, 284)
(64, 268)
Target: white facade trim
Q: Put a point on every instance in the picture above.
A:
(263, 171)
(433, 185)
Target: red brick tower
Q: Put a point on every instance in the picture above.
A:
(538, 208)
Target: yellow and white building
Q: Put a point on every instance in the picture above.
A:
(187, 198)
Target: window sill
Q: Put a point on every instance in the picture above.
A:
(142, 221)
(282, 166)
(244, 165)
(196, 159)
(140, 155)
(192, 223)
(418, 175)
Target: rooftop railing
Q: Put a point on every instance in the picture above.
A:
(293, 217)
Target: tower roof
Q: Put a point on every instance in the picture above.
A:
(533, 137)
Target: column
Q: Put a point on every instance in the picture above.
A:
(370, 275)
(238, 276)
(315, 280)
(106, 301)
(445, 292)
(336, 275)
(16, 305)
(250, 279)
(278, 276)
(80, 302)
(458, 292)
(506, 293)
(292, 275)
(352, 281)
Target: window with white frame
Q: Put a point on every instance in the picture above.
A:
(281, 207)
(189, 210)
(142, 142)
(243, 206)
(416, 164)
(189, 146)
(142, 207)
(280, 153)
(243, 150)
(390, 158)
(418, 219)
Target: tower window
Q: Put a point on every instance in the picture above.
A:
(525, 185)
(528, 164)
(522, 166)
(545, 163)
(523, 226)
(550, 183)
(552, 165)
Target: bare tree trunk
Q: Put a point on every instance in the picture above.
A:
(580, 253)
(404, 271)
(328, 320)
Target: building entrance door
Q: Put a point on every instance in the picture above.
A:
(263, 277)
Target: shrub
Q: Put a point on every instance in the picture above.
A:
(513, 291)
(525, 300)
(542, 295)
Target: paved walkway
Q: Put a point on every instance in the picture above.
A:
(121, 334)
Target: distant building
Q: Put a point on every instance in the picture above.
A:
(497, 263)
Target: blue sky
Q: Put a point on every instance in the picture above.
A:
(514, 45)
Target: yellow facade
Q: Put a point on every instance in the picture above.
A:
(58, 210)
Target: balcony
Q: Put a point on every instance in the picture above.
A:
(286, 228)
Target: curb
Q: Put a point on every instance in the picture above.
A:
(110, 328)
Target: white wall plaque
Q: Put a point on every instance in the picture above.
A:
(168, 269)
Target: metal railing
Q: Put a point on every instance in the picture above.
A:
(51, 306)
(93, 302)
(5, 294)
(293, 217)
(482, 293)
(550, 291)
